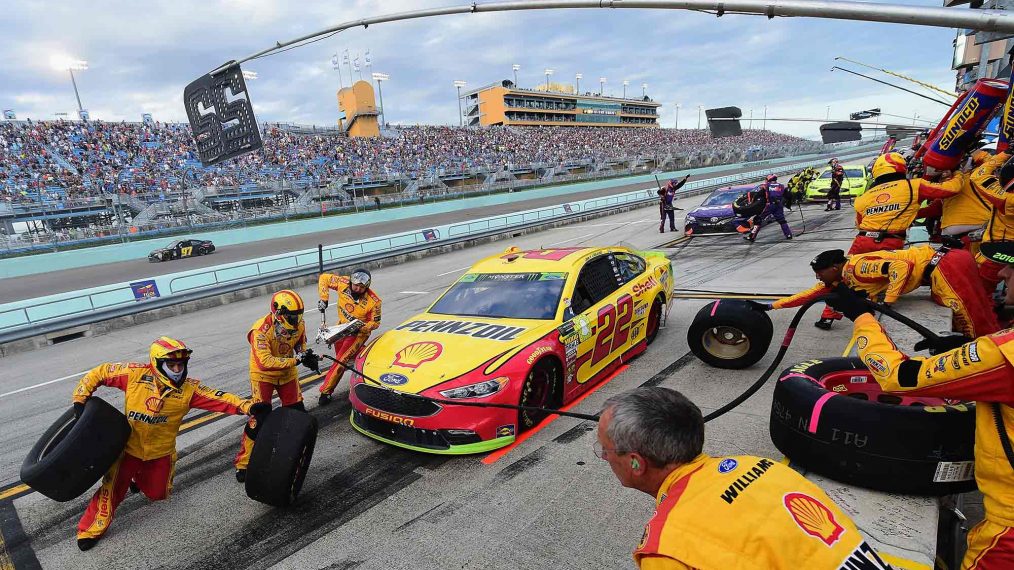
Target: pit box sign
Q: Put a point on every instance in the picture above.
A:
(431, 235)
(144, 290)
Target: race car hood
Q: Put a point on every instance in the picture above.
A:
(430, 349)
(711, 211)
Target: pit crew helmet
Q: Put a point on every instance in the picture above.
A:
(287, 310)
(889, 163)
(164, 350)
(360, 277)
(771, 178)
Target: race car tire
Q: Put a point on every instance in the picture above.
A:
(830, 417)
(749, 210)
(281, 457)
(75, 453)
(654, 321)
(728, 333)
(541, 388)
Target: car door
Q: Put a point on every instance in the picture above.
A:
(186, 248)
(601, 316)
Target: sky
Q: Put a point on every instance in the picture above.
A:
(141, 55)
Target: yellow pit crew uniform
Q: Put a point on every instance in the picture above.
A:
(744, 512)
(155, 411)
(1000, 226)
(885, 212)
(950, 274)
(983, 371)
(366, 308)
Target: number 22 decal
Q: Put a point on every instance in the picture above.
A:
(614, 330)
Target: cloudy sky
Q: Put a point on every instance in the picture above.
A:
(142, 54)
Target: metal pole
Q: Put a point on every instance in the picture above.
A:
(699, 109)
(515, 79)
(381, 93)
(577, 87)
(677, 116)
(461, 114)
(764, 125)
(79, 107)
(979, 20)
(751, 119)
(602, 88)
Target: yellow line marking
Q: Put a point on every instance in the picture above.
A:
(903, 563)
(14, 491)
(5, 559)
(676, 241)
(848, 349)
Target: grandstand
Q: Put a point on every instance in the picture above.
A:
(505, 104)
(69, 181)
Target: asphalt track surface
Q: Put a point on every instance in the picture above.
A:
(547, 503)
(41, 284)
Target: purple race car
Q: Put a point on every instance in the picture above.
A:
(715, 215)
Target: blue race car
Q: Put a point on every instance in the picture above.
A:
(715, 214)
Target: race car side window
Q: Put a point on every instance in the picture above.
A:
(596, 280)
(629, 266)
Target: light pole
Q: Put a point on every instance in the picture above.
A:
(914, 117)
(764, 125)
(700, 109)
(625, 83)
(461, 116)
(548, 73)
(516, 67)
(577, 88)
(678, 116)
(827, 117)
(379, 78)
(62, 62)
(602, 86)
(751, 119)
(335, 65)
(644, 90)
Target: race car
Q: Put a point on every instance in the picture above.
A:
(857, 180)
(715, 215)
(534, 328)
(182, 248)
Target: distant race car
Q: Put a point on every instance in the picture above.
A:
(715, 215)
(182, 248)
(537, 328)
(857, 180)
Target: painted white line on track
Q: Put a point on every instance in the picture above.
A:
(413, 292)
(453, 271)
(611, 224)
(569, 240)
(26, 388)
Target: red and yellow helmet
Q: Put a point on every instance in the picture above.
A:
(164, 350)
(287, 309)
(889, 163)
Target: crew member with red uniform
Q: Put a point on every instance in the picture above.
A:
(158, 395)
(665, 206)
(277, 344)
(775, 197)
(727, 513)
(356, 301)
(949, 273)
(981, 370)
(834, 192)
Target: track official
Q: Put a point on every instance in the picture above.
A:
(722, 513)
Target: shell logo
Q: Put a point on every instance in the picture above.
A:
(813, 517)
(418, 353)
(882, 198)
(154, 404)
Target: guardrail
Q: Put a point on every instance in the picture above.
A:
(32, 317)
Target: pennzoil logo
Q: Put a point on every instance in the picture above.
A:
(877, 364)
(418, 353)
(408, 422)
(148, 419)
(956, 126)
(813, 517)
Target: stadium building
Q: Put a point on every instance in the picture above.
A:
(504, 104)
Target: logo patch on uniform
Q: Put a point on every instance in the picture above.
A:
(154, 405)
(941, 364)
(973, 351)
(862, 342)
(878, 364)
(813, 517)
(418, 353)
(393, 379)
(881, 198)
(727, 465)
(504, 431)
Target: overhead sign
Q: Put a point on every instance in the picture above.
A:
(869, 113)
(724, 121)
(840, 132)
(9, 114)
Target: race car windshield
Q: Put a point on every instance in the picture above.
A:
(503, 295)
(849, 173)
(723, 198)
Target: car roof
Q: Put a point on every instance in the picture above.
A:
(740, 187)
(540, 260)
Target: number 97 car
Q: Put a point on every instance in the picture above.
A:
(532, 328)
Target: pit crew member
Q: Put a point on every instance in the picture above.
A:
(355, 301)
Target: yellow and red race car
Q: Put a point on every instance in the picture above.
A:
(534, 328)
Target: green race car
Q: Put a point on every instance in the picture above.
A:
(857, 180)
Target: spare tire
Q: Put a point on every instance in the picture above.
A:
(281, 456)
(728, 333)
(831, 417)
(745, 209)
(75, 453)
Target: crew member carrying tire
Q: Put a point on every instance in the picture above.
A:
(980, 370)
(277, 346)
(158, 394)
(666, 209)
(775, 197)
(834, 192)
(949, 273)
(355, 301)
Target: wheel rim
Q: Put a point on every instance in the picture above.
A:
(653, 318)
(726, 342)
(538, 389)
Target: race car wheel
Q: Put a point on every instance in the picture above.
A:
(729, 334)
(831, 417)
(654, 321)
(541, 389)
(73, 454)
(281, 457)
